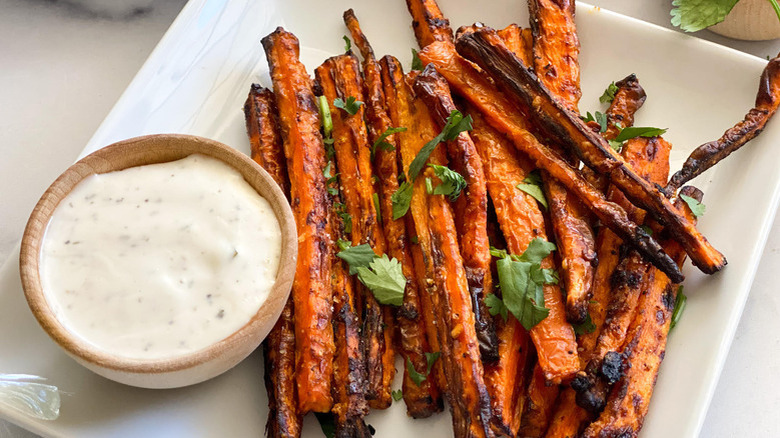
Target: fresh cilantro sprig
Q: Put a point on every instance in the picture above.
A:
(532, 184)
(694, 15)
(347, 44)
(416, 61)
(351, 106)
(382, 275)
(599, 118)
(452, 183)
(633, 132)
(496, 306)
(679, 306)
(609, 93)
(456, 123)
(418, 377)
(522, 281)
(697, 208)
(382, 143)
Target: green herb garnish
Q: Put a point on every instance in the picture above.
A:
(697, 208)
(609, 93)
(532, 184)
(351, 106)
(452, 183)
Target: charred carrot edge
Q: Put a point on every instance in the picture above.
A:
(470, 208)
(503, 116)
(438, 244)
(644, 350)
(555, 60)
(428, 22)
(265, 141)
(556, 49)
(425, 399)
(512, 36)
(486, 49)
(340, 77)
(520, 220)
(303, 147)
(349, 367)
(569, 418)
(279, 347)
(709, 154)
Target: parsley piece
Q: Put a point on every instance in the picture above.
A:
(416, 61)
(359, 256)
(679, 306)
(341, 210)
(416, 377)
(378, 209)
(616, 145)
(697, 208)
(401, 200)
(496, 306)
(522, 281)
(385, 278)
(343, 244)
(585, 327)
(609, 93)
(384, 145)
(602, 118)
(431, 358)
(452, 183)
(327, 423)
(397, 395)
(456, 123)
(347, 44)
(532, 184)
(351, 106)
(694, 15)
(638, 131)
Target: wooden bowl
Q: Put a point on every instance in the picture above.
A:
(751, 20)
(181, 370)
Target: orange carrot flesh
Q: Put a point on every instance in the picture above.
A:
(428, 22)
(434, 225)
(470, 208)
(304, 149)
(421, 400)
(279, 347)
(339, 78)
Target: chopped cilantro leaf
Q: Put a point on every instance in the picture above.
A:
(585, 327)
(697, 208)
(532, 184)
(416, 377)
(385, 278)
(351, 106)
(456, 123)
(381, 141)
(430, 358)
(397, 395)
(679, 306)
(416, 61)
(347, 44)
(695, 15)
(401, 200)
(496, 306)
(357, 256)
(609, 93)
(452, 183)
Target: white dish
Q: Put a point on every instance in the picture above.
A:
(196, 81)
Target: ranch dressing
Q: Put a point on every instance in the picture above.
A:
(161, 260)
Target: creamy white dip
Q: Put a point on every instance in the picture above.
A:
(160, 260)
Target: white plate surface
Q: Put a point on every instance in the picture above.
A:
(196, 81)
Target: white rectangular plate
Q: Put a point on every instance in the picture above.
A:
(196, 81)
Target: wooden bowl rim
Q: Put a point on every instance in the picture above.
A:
(151, 149)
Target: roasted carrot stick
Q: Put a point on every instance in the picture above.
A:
(428, 22)
(349, 367)
(304, 149)
(709, 154)
(421, 400)
(279, 347)
(339, 77)
(434, 225)
(470, 208)
(555, 54)
(519, 41)
(502, 115)
(520, 220)
(569, 417)
(486, 49)
(644, 350)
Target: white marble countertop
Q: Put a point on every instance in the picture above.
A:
(63, 68)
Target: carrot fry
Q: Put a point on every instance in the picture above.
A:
(421, 400)
(709, 154)
(555, 61)
(519, 41)
(470, 208)
(279, 347)
(569, 417)
(486, 49)
(500, 113)
(428, 22)
(434, 225)
(349, 367)
(304, 149)
(643, 352)
(339, 78)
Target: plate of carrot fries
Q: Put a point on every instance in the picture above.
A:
(495, 206)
